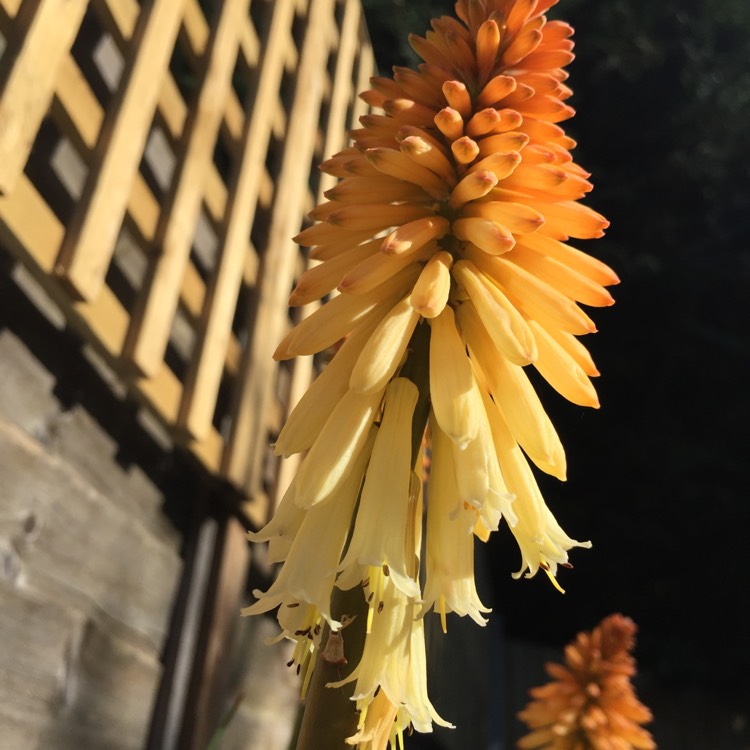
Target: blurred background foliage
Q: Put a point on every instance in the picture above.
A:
(656, 477)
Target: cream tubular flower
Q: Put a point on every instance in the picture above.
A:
(378, 726)
(310, 569)
(455, 397)
(384, 505)
(337, 446)
(449, 556)
(282, 529)
(514, 396)
(542, 542)
(394, 660)
(312, 411)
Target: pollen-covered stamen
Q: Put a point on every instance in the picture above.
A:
(306, 648)
(374, 593)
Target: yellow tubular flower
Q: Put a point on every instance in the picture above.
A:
(449, 585)
(393, 661)
(385, 497)
(447, 238)
(455, 397)
(309, 572)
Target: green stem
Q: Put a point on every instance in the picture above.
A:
(330, 714)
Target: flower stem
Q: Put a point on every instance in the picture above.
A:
(330, 714)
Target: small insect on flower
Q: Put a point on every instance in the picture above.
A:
(333, 652)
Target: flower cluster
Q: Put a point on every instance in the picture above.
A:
(591, 705)
(449, 225)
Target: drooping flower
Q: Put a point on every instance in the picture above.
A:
(446, 239)
(591, 704)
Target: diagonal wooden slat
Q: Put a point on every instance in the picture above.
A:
(202, 384)
(158, 302)
(31, 231)
(335, 136)
(80, 116)
(90, 238)
(10, 8)
(46, 30)
(335, 139)
(247, 441)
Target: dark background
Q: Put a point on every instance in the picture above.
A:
(656, 477)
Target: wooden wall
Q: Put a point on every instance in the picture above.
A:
(155, 160)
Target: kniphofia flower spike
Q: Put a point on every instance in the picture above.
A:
(591, 704)
(450, 223)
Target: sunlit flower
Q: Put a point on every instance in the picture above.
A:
(591, 705)
(445, 248)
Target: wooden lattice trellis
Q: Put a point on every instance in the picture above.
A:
(155, 159)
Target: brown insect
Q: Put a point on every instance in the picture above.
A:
(333, 653)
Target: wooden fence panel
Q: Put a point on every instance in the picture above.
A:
(90, 238)
(27, 86)
(172, 153)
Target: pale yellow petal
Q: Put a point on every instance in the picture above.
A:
(281, 530)
(506, 327)
(379, 535)
(516, 399)
(384, 350)
(378, 268)
(410, 237)
(561, 371)
(339, 316)
(309, 415)
(449, 582)
(455, 398)
(309, 572)
(320, 279)
(539, 300)
(486, 234)
(337, 447)
(430, 293)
